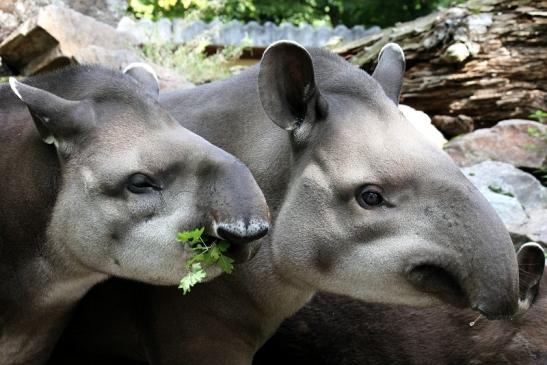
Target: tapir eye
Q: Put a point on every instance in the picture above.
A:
(141, 184)
(369, 198)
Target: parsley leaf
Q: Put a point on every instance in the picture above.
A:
(207, 251)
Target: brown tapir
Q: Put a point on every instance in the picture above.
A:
(337, 330)
(362, 204)
(105, 195)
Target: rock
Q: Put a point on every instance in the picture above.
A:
(422, 123)
(59, 36)
(14, 12)
(456, 53)
(519, 142)
(54, 37)
(170, 80)
(115, 59)
(453, 126)
(128, 27)
(105, 11)
(518, 198)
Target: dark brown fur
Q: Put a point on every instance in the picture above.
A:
(336, 330)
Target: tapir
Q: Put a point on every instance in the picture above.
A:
(98, 179)
(362, 205)
(338, 330)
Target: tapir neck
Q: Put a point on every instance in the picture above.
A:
(249, 304)
(37, 291)
(283, 297)
(35, 309)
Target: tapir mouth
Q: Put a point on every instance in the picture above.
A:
(439, 282)
(242, 253)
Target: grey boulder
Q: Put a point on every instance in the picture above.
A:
(518, 198)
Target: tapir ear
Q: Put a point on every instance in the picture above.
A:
(531, 261)
(146, 76)
(287, 88)
(56, 119)
(390, 70)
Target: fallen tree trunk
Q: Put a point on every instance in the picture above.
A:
(472, 65)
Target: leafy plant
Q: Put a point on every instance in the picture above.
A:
(540, 115)
(207, 251)
(317, 12)
(191, 59)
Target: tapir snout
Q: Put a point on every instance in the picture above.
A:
(456, 271)
(241, 217)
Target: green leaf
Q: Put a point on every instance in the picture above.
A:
(226, 264)
(214, 253)
(223, 246)
(539, 115)
(190, 237)
(195, 259)
(196, 275)
(205, 250)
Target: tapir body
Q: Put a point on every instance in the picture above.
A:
(337, 330)
(104, 196)
(362, 205)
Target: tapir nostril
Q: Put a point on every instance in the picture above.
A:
(439, 281)
(241, 233)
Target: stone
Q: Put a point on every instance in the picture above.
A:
(422, 123)
(115, 59)
(105, 11)
(15, 12)
(53, 38)
(520, 142)
(169, 79)
(164, 30)
(456, 53)
(518, 198)
(50, 41)
(452, 126)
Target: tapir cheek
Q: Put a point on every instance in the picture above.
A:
(145, 207)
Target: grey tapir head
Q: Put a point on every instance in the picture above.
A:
(378, 213)
(131, 177)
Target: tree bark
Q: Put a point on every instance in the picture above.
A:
(480, 62)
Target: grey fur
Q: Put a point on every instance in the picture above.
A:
(436, 239)
(68, 219)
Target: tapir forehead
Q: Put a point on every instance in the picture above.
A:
(377, 145)
(167, 151)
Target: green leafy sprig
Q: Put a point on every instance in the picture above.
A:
(207, 251)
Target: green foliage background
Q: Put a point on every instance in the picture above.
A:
(318, 12)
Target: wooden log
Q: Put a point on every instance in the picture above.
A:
(481, 62)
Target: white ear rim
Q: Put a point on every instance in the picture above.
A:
(284, 41)
(533, 244)
(395, 47)
(142, 65)
(13, 83)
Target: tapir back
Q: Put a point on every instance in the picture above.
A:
(338, 330)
